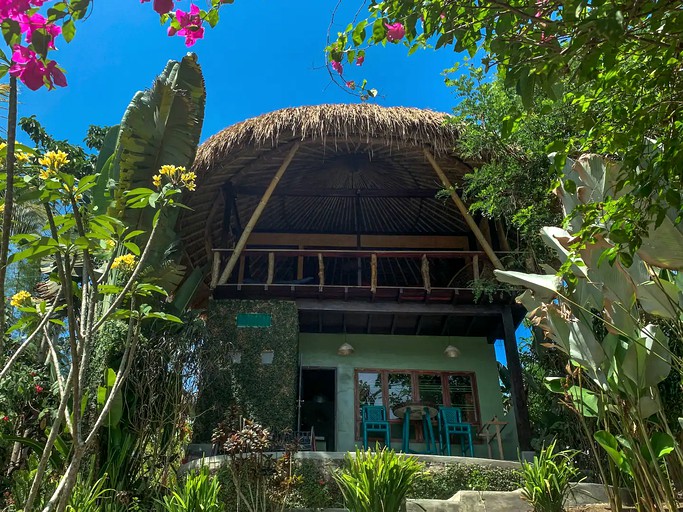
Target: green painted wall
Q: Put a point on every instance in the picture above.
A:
(409, 353)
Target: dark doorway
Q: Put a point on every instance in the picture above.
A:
(317, 402)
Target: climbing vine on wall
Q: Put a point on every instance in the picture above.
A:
(266, 393)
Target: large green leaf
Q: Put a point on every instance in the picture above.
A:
(101, 195)
(544, 287)
(659, 298)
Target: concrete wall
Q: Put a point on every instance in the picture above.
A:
(409, 353)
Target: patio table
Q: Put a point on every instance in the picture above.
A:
(417, 413)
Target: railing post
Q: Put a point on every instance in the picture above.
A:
(321, 272)
(240, 272)
(426, 280)
(373, 273)
(215, 269)
(271, 268)
(475, 267)
(300, 265)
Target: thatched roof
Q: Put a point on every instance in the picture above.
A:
(375, 151)
(396, 126)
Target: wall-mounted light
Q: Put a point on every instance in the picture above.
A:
(345, 349)
(267, 356)
(451, 351)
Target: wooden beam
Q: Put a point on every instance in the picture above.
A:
(242, 242)
(321, 272)
(421, 242)
(517, 392)
(373, 273)
(342, 192)
(271, 267)
(400, 308)
(475, 266)
(215, 269)
(463, 210)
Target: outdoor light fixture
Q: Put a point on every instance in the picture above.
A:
(267, 357)
(345, 350)
(451, 351)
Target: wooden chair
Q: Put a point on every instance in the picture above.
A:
(450, 423)
(374, 420)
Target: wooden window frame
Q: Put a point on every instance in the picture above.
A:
(415, 390)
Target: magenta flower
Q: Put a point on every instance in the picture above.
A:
(37, 22)
(351, 84)
(190, 25)
(395, 32)
(13, 8)
(337, 67)
(359, 60)
(33, 72)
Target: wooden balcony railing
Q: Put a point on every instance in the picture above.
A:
(421, 266)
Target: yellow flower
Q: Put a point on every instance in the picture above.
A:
(156, 179)
(2, 208)
(22, 157)
(54, 160)
(188, 180)
(125, 262)
(170, 170)
(19, 298)
(110, 244)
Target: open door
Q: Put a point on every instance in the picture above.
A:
(317, 402)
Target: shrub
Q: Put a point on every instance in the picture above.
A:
(377, 481)
(547, 480)
(443, 483)
(200, 492)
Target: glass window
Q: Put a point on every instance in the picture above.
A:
(430, 388)
(400, 391)
(461, 394)
(370, 388)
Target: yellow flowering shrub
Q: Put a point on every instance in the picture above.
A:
(19, 299)
(54, 160)
(177, 175)
(125, 262)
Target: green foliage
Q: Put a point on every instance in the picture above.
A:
(377, 481)
(514, 180)
(547, 480)
(87, 497)
(443, 483)
(608, 318)
(199, 493)
(264, 393)
(316, 488)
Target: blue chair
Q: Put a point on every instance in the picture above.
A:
(374, 420)
(451, 424)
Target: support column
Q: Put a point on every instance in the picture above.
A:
(517, 393)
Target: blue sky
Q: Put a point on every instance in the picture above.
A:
(263, 55)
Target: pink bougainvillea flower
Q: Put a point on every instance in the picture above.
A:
(12, 9)
(163, 6)
(351, 84)
(37, 22)
(33, 72)
(190, 25)
(359, 60)
(39, 388)
(395, 31)
(337, 66)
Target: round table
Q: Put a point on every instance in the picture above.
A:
(418, 413)
(417, 410)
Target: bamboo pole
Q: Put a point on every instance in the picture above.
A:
(463, 210)
(242, 242)
(424, 269)
(215, 269)
(321, 272)
(271, 267)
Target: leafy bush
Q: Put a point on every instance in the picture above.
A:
(377, 481)
(316, 489)
(87, 497)
(443, 483)
(199, 493)
(548, 478)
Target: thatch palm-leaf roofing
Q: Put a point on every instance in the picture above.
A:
(359, 168)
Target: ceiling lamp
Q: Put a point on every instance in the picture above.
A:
(345, 350)
(451, 351)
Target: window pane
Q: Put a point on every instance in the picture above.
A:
(431, 390)
(400, 391)
(461, 393)
(370, 388)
